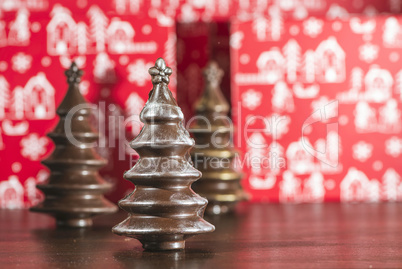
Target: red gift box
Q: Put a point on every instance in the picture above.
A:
(318, 108)
(36, 46)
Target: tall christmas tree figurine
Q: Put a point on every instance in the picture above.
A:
(213, 154)
(74, 189)
(163, 209)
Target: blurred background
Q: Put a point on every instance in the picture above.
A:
(315, 87)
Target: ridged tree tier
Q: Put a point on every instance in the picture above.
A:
(74, 190)
(213, 154)
(163, 209)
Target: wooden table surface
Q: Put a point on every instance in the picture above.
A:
(257, 236)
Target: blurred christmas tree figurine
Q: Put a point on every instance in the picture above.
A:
(163, 209)
(74, 189)
(213, 154)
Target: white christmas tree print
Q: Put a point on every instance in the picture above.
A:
(277, 125)
(368, 52)
(390, 117)
(290, 188)
(256, 150)
(4, 96)
(314, 191)
(362, 151)
(251, 99)
(393, 146)
(3, 35)
(276, 22)
(261, 28)
(312, 27)
(137, 72)
(236, 40)
(309, 66)
(398, 83)
(292, 53)
(134, 105)
(356, 78)
(83, 38)
(98, 27)
(20, 34)
(390, 183)
(104, 69)
(21, 62)
(17, 103)
(282, 98)
(365, 118)
(33, 146)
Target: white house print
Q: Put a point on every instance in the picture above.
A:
(378, 85)
(330, 61)
(61, 32)
(271, 69)
(355, 186)
(271, 65)
(324, 65)
(120, 36)
(299, 161)
(11, 193)
(40, 103)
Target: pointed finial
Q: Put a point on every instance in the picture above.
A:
(74, 74)
(213, 74)
(160, 72)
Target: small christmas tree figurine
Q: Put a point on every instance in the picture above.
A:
(74, 189)
(163, 209)
(213, 154)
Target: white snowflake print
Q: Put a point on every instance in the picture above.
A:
(362, 151)
(33, 146)
(312, 27)
(368, 52)
(251, 99)
(21, 62)
(393, 146)
(138, 72)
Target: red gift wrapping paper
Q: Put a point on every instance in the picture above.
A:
(36, 46)
(318, 108)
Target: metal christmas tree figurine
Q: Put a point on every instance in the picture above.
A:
(163, 209)
(74, 189)
(213, 154)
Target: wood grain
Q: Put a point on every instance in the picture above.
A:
(257, 236)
